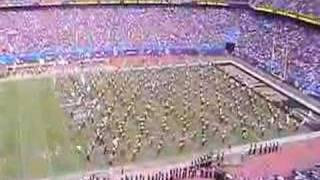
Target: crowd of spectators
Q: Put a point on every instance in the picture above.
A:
(306, 174)
(86, 32)
(271, 42)
(308, 7)
(23, 3)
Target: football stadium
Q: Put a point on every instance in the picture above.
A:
(159, 89)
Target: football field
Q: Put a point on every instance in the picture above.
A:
(34, 139)
(37, 140)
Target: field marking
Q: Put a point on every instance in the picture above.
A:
(236, 150)
(20, 143)
(305, 136)
(109, 69)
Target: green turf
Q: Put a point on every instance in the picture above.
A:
(34, 140)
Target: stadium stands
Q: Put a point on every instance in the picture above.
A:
(21, 3)
(103, 31)
(272, 41)
(309, 7)
(307, 11)
(92, 32)
(55, 33)
(18, 3)
(305, 174)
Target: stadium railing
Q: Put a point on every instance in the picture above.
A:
(302, 17)
(35, 3)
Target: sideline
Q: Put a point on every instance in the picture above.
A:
(165, 162)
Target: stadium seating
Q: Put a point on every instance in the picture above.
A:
(27, 3)
(280, 40)
(305, 174)
(309, 7)
(18, 3)
(103, 31)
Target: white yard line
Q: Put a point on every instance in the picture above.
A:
(21, 148)
(108, 68)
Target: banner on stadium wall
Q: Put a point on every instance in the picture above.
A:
(30, 57)
(7, 59)
(121, 49)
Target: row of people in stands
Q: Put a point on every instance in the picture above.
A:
(305, 174)
(85, 32)
(309, 7)
(271, 43)
(22, 3)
